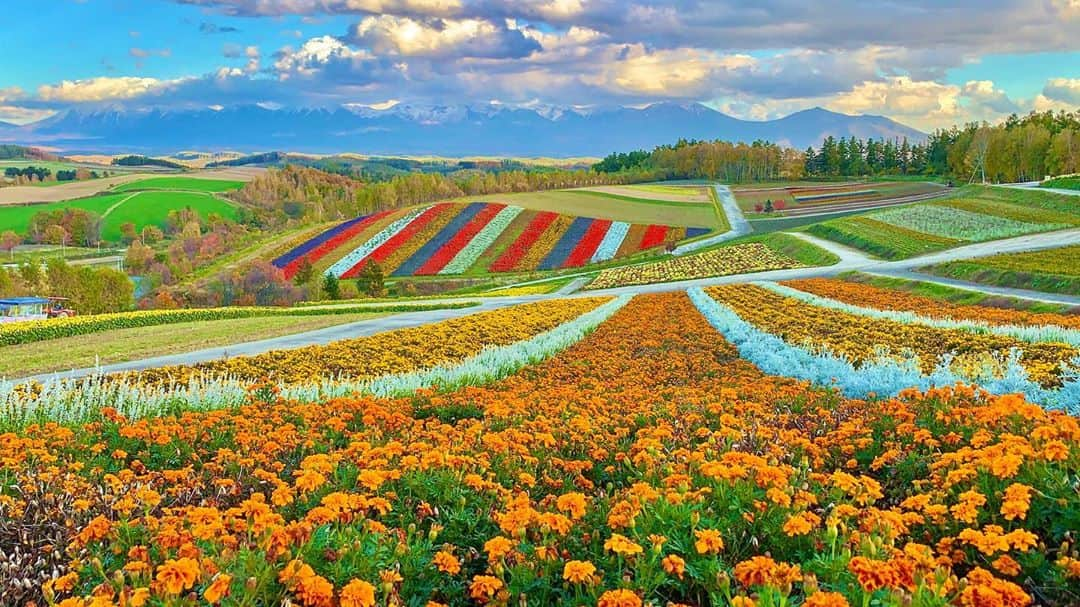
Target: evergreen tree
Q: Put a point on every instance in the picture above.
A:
(331, 287)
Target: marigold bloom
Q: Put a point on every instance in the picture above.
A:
(708, 541)
(826, 599)
(757, 571)
(578, 572)
(484, 587)
(622, 545)
(742, 601)
(572, 504)
(447, 562)
(218, 589)
(498, 547)
(674, 565)
(358, 593)
(872, 574)
(619, 598)
(178, 575)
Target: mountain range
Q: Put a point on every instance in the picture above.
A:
(490, 130)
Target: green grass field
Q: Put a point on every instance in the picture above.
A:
(607, 206)
(188, 184)
(1062, 183)
(951, 294)
(140, 208)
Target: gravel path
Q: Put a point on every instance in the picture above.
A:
(739, 225)
(1034, 185)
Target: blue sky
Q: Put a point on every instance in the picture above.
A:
(924, 63)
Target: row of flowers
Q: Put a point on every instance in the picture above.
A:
(861, 294)
(978, 356)
(646, 464)
(485, 238)
(611, 243)
(951, 222)
(40, 330)
(735, 259)
(455, 241)
(403, 245)
(354, 257)
(321, 245)
(1025, 333)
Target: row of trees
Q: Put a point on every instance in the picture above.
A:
(92, 290)
(692, 159)
(1019, 149)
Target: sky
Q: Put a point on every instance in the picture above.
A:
(927, 64)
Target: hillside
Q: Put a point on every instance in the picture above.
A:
(474, 238)
(449, 131)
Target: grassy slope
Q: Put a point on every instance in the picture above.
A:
(607, 206)
(190, 184)
(953, 295)
(132, 344)
(1052, 270)
(17, 217)
(1063, 183)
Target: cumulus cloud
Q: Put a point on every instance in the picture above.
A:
(101, 89)
(443, 38)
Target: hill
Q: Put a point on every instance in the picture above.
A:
(444, 130)
(474, 238)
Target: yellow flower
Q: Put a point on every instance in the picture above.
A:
(178, 575)
(708, 541)
(358, 593)
(218, 589)
(674, 565)
(622, 545)
(484, 587)
(578, 572)
(446, 562)
(619, 598)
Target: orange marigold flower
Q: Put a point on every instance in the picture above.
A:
(498, 547)
(674, 565)
(178, 575)
(872, 574)
(218, 589)
(447, 563)
(826, 599)
(484, 587)
(708, 541)
(1007, 565)
(358, 593)
(1017, 501)
(801, 524)
(743, 601)
(757, 571)
(622, 545)
(572, 504)
(578, 572)
(619, 598)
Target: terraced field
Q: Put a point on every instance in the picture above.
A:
(474, 238)
(974, 215)
(1050, 270)
(805, 200)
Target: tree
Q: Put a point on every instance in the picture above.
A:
(371, 281)
(8, 241)
(152, 234)
(304, 273)
(128, 234)
(331, 287)
(56, 234)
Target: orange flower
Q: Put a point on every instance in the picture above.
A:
(619, 598)
(872, 574)
(674, 565)
(801, 524)
(1016, 503)
(358, 593)
(498, 547)
(578, 572)
(742, 601)
(826, 599)
(572, 504)
(178, 575)
(708, 541)
(1007, 565)
(447, 562)
(218, 589)
(622, 545)
(484, 587)
(757, 571)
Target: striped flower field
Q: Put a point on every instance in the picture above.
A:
(479, 237)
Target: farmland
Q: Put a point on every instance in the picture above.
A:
(973, 215)
(189, 184)
(823, 198)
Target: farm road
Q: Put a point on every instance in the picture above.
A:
(739, 225)
(1034, 185)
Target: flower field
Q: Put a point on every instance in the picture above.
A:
(452, 238)
(1052, 270)
(861, 337)
(983, 214)
(649, 463)
(736, 259)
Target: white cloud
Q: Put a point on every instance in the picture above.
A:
(390, 35)
(13, 114)
(101, 89)
(315, 54)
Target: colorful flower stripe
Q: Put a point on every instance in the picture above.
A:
(520, 247)
(613, 239)
(654, 237)
(588, 244)
(347, 262)
(543, 245)
(403, 244)
(631, 244)
(882, 376)
(468, 255)
(429, 248)
(695, 232)
(459, 240)
(317, 247)
(565, 244)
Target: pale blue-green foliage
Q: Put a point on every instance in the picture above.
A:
(883, 377)
(1028, 333)
(957, 223)
(79, 400)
